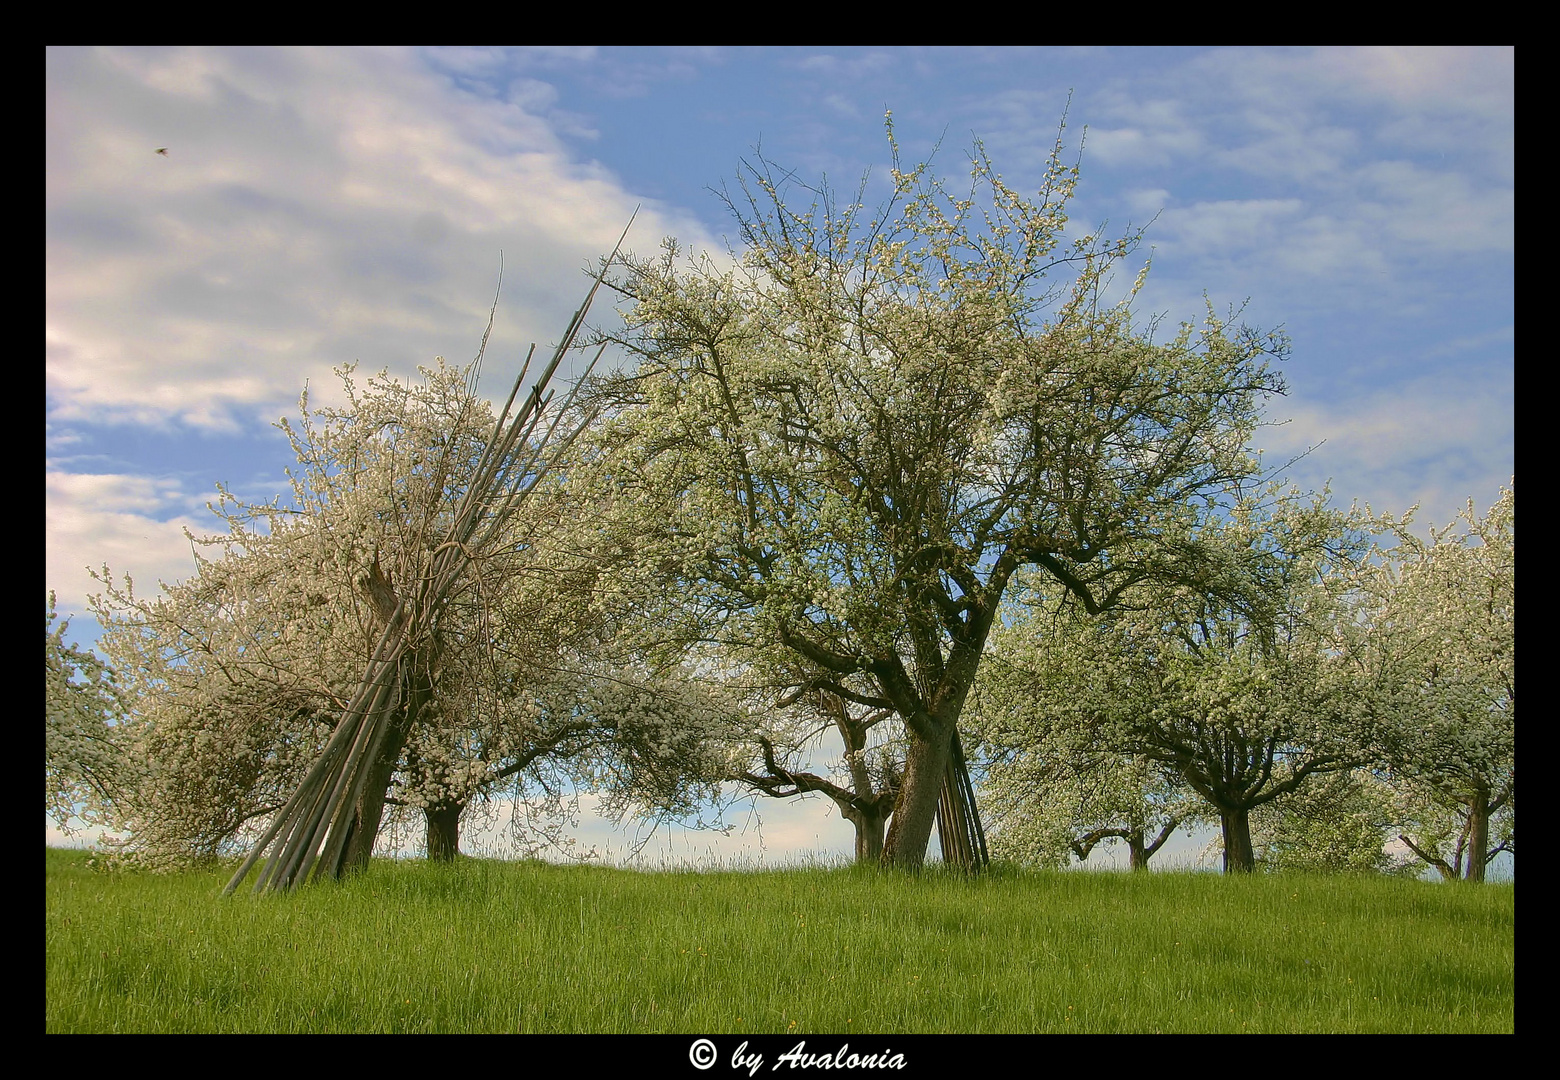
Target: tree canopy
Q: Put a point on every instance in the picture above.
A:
(1242, 697)
(846, 444)
(86, 767)
(1443, 631)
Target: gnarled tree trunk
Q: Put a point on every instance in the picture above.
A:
(1137, 849)
(443, 831)
(1239, 856)
(1478, 832)
(416, 689)
(915, 812)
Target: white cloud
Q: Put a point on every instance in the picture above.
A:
(1288, 150)
(315, 207)
(1437, 211)
(1313, 180)
(1228, 226)
(1147, 203)
(1463, 79)
(1151, 132)
(288, 228)
(1435, 441)
(864, 65)
(92, 520)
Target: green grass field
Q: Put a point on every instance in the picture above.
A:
(533, 947)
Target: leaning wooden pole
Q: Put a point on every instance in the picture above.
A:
(312, 830)
(959, 829)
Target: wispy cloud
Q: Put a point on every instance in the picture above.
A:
(314, 207)
(1435, 442)
(132, 524)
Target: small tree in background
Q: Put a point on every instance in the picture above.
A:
(86, 768)
(1338, 823)
(1444, 634)
(1049, 807)
(1244, 691)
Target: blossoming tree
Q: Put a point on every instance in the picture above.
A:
(1054, 796)
(1244, 693)
(240, 674)
(86, 768)
(841, 449)
(1444, 632)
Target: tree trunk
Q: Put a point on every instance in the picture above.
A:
(1238, 854)
(870, 809)
(371, 800)
(915, 810)
(1137, 849)
(1478, 832)
(443, 831)
(869, 836)
(958, 819)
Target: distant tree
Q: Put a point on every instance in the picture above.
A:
(841, 450)
(1443, 630)
(1342, 822)
(1243, 702)
(1050, 805)
(1054, 791)
(863, 794)
(85, 764)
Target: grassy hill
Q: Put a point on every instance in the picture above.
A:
(535, 947)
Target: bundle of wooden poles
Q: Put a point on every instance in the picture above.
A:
(959, 830)
(309, 834)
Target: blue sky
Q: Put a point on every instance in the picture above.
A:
(317, 207)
